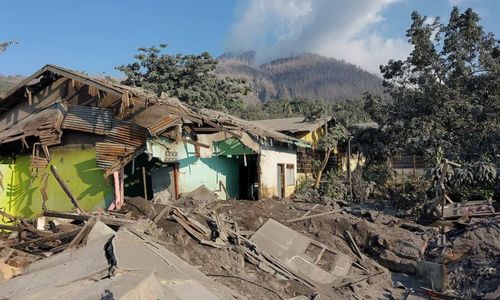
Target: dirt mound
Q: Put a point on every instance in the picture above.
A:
(472, 258)
(327, 229)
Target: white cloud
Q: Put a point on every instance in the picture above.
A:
(457, 2)
(334, 28)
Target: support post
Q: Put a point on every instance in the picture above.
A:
(349, 175)
(145, 183)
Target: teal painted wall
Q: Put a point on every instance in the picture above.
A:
(194, 172)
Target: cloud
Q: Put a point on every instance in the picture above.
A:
(457, 2)
(334, 28)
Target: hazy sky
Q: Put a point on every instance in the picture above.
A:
(98, 35)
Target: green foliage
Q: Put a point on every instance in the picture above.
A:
(333, 186)
(191, 78)
(350, 111)
(378, 173)
(406, 192)
(305, 188)
(336, 134)
(447, 92)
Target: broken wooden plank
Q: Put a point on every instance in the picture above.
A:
(105, 219)
(314, 216)
(66, 189)
(353, 245)
(55, 236)
(10, 227)
(83, 233)
(7, 215)
(309, 211)
(160, 215)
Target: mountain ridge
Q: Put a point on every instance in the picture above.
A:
(305, 75)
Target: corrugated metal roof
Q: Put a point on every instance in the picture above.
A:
(88, 119)
(107, 154)
(127, 133)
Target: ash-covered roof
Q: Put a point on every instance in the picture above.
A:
(292, 125)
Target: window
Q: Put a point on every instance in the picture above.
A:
(290, 174)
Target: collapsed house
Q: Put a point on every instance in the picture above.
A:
(67, 135)
(309, 132)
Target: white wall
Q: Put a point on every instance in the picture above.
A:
(269, 159)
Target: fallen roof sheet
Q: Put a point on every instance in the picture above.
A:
(293, 125)
(123, 265)
(247, 126)
(303, 255)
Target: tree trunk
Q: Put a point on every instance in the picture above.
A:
(322, 167)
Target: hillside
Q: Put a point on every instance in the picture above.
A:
(6, 82)
(305, 75)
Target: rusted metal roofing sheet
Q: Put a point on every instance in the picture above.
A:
(89, 119)
(127, 133)
(108, 154)
(44, 124)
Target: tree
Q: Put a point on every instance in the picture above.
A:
(447, 92)
(191, 78)
(327, 144)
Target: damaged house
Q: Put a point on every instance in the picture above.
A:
(309, 132)
(70, 141)
(232, 157)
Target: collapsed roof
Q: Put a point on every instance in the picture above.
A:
(292, 125)
(55, 99)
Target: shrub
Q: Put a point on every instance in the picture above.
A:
(333, 186)
(407, 192)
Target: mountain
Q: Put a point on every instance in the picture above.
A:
(305, 75)
(7, 82)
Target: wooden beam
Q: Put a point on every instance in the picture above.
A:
(222, 128)
(105, 219)
(66, 189)
(196, 143)
(144, 182)
(314, 216)
(55, 236)
(83, 233)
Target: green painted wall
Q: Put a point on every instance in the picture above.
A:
(194, 172)
(21, 194)
(231, 146)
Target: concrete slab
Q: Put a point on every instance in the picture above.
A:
(300, 253)
(58, 270)
(146, 270)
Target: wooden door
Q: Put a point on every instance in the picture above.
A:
(281, 180)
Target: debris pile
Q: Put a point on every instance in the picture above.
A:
(272, 249)
(472, 258)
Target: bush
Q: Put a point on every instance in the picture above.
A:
(305, 186)
(333, 186)
(378, 173)
(407, 192)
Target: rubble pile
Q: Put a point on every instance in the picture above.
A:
(271, 249)
(472, 258)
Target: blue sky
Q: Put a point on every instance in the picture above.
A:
(96, 36)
